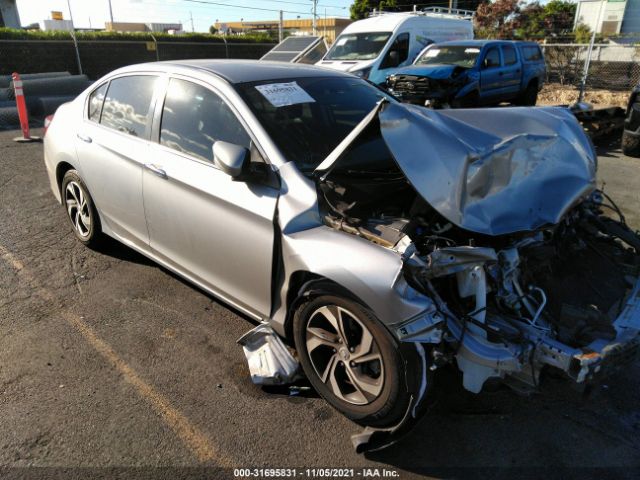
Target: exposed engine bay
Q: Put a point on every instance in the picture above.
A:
(506, 305)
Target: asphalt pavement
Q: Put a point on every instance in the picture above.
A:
(111, 366)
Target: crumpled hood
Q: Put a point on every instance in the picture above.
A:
(492, 171)
(437, 72)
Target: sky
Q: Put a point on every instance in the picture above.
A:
(93, 13)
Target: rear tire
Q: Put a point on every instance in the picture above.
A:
(80, 208)
(529, 97)
(630, 145)
(331, 336)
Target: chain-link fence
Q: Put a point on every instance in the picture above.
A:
(607, 67)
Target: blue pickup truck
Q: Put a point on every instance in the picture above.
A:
(472, 73)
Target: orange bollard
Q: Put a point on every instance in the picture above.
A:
(23, 114)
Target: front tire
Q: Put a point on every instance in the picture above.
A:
(80, 208)
(351, 360)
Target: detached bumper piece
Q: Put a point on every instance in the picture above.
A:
(372, 439)
(269, 360)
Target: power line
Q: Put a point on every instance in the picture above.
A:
(206, 2)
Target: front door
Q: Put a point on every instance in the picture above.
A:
(215, 230)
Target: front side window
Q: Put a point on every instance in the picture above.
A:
(492, 58)
(509, 55)
(96, 99)
(308, 117)
(460, 55)
(127, 104)
(358, 46)
(398, 52)
(194, 117)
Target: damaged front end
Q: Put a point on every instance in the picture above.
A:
(499, 223)
(437, 87)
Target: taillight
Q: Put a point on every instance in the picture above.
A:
(47, 121)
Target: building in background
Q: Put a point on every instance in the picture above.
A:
(143, 27)
(9, 14)
(609, 17)
(330, 28)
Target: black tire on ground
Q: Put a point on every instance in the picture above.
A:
(73, 189)
(529, 97)
(472, 100)
(631, 145)
(393, 400)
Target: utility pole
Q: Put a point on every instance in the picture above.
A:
(280, 25)
(315, 11)
(70, 14)
(191, 15)
(110, 12)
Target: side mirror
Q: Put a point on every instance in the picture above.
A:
(230, 158)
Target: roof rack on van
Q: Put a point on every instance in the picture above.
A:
(432, 12)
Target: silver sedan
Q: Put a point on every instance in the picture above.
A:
(380, 241)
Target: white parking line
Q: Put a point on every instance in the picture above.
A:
(195, 440)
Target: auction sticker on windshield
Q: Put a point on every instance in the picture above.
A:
(284, 94)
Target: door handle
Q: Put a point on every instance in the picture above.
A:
(156, 169)
(84, 138)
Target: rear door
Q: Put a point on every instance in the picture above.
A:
(215, 230)
(113, 145)
(491, 75)
(511, 71)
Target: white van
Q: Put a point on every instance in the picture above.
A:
(373, 47)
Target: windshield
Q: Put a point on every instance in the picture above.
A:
(449, 55)
(358, 46)
(308, 117)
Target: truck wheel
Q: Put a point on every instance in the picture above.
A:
(351, 360)
(472, 100)
(631, 145)
(529, 97)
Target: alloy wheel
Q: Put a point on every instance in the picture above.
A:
(78, 208)
(345, 355)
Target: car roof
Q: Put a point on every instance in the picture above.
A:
(241, 71)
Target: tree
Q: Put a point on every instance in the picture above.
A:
(213, 30)
(362, 8)
(496, 19)
(582, 33)
(513, 19)
(559, 15)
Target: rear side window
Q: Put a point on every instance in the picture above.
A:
(194, 117)
(532, 53)
(127, 104)
(509, 55)
(96, 99)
